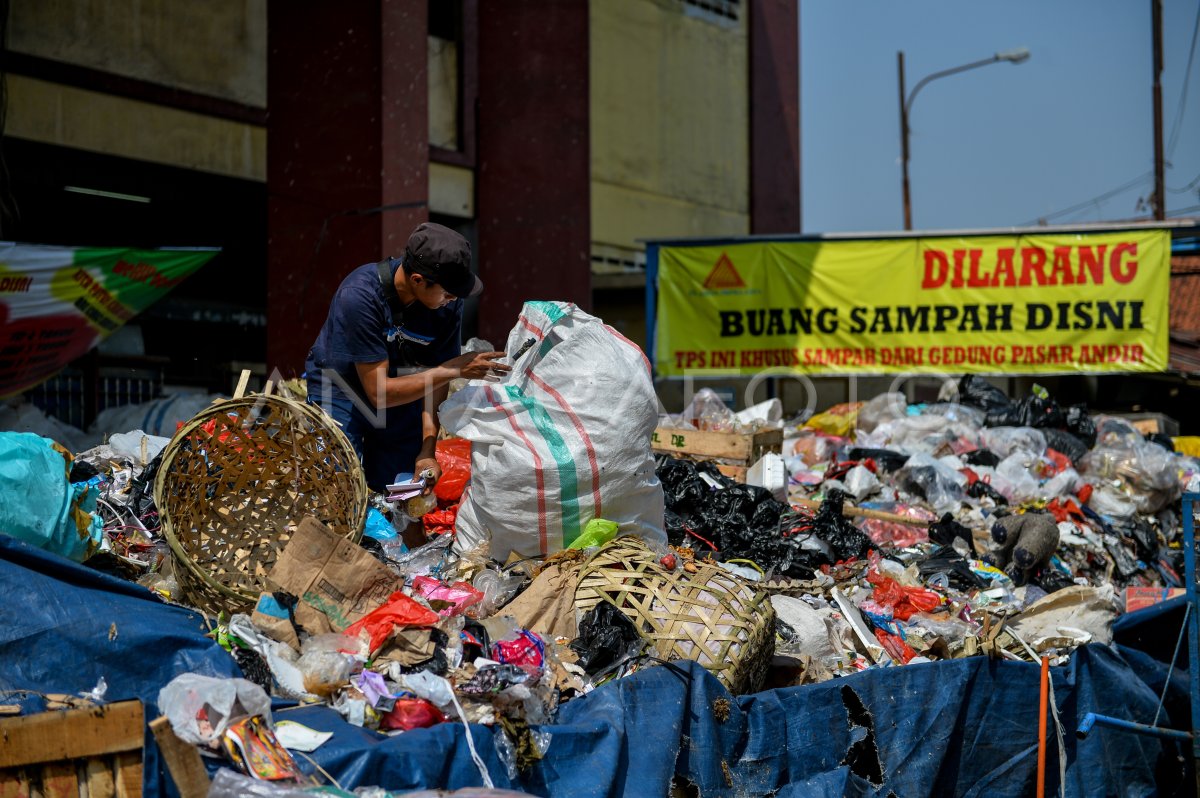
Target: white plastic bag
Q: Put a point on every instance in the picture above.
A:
(201, 707)
(563, 439)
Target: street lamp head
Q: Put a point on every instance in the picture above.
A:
(1015, 56)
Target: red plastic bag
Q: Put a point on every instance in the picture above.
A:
(440, 522)
(454, 458)
(398, 610)
(905, 601)
(917, 599)
(896, 648)
(412, 713)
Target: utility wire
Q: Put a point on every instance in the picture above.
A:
(1176, 128)
(1087, 203)
(1173, 139)
(1187, 188)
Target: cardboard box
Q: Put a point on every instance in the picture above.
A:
(1138, 598)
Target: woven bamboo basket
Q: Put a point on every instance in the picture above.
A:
(718, 619)
(236, 481)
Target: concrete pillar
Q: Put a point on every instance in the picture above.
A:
(774, 116)
(347, 140)
(534, 166)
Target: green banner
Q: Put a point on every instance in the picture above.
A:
(56, 303)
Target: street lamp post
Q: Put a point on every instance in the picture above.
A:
(1012, 56)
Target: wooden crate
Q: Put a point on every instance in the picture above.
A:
(81, 753)
(1151, 423)
(738, 450)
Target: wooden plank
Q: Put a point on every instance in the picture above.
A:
(724, 445)
(183, 760)
(243, 381)
(851, 511)
(59, 780)
(717, 445)
(74, 734)
(735, 472)
(100, 782)
(129, 775)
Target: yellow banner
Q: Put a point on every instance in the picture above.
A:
(1029, 304)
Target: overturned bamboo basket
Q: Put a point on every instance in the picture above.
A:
(236, 481)
(718, 619)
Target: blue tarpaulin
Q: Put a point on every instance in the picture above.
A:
(964, 727)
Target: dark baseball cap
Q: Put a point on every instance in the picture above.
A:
(443, 256)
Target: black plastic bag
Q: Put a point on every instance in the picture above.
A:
(847, 540)
(1065, 443)
(676, 528)
(141, 492)
(1143, 536)
(1154, 437)
(82, 471)
(1080, 424)
(946, 560)
(746, 522)
(1034, 411)
(606, 637)
(946, 529)
(684, 490)
(982, 457)
(978, 392)
(887, 460)
(1052, 579)
(919, 480)
(979, 489)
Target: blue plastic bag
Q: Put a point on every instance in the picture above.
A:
(378, 527)
(38, 503)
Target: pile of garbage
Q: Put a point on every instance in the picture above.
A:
(933, 531)
(910, 533)
(395, 639)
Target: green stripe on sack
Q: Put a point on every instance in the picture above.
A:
(567, 475)
(550, 309)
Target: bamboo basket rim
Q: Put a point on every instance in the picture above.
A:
(223, 407)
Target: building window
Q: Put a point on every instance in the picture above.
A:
(453, 80)
(445, 85)
(723, 9)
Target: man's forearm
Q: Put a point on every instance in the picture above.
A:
(415, 387)
(430, 424)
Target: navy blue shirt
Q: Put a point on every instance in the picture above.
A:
(360, 329)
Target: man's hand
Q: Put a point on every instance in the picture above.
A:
(478, 365)
(431, 464)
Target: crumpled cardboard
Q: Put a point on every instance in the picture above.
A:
(408, 647)
(1067, 612)
(335, 581)
(547, 607)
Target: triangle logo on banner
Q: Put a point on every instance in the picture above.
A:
(724, 275)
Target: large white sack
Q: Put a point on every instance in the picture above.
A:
(155, 417)
(563, 439)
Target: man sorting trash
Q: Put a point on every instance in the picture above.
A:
(389, 348)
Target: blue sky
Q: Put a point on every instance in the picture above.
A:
(997, 146)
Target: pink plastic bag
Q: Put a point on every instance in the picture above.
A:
(460, 595)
